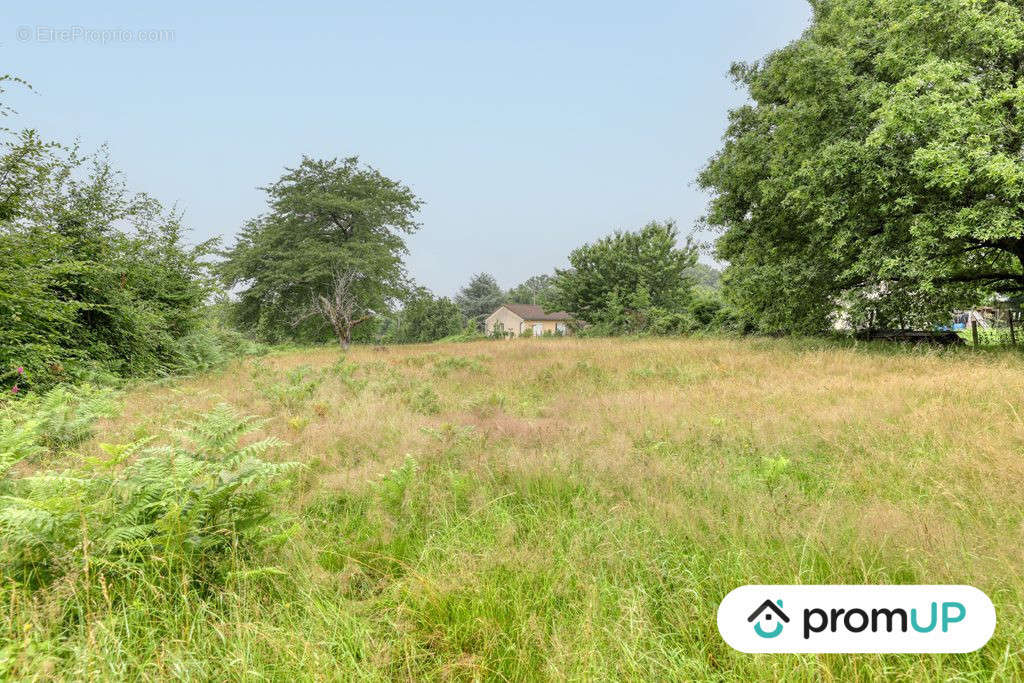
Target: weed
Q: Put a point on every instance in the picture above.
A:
(657, 445)
(65, 416)
(446, 365)
(392, 487)
(449, 433)
(292, 390)
(423, 400)
(594, 545)
(346, 372)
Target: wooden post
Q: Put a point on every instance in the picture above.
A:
(974, 331)
(1013, 333)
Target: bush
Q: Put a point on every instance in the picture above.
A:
(210, 347)
(95, 279)
(469, 333)
(424, 400)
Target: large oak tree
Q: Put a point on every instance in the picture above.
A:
(878, 167)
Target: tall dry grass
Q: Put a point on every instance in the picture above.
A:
(577, 508)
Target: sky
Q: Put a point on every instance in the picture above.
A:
(527, 128)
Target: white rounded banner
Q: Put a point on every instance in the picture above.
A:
(856, 619)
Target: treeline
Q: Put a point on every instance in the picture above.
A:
(639, 282)
(98, 282)
(327, 262)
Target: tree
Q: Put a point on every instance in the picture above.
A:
(325, 217)
(535, 290)
(878, 168)
(426, 318)
(481, 297)
(629, 281)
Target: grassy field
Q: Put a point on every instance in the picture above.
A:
(551, 509)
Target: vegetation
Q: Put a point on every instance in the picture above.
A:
(168, 516)
(330, 222)
(878, 168)
(538, 290)
(96, 282)
(425, 317)
(574, 509)
(479, 298)
(571, 509)
(630, 282)
(92, 277)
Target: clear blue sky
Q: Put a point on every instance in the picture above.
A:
(527, 127)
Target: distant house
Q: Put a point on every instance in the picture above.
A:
(516, 319)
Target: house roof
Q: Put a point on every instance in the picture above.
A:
(533, 312)
(768, 604)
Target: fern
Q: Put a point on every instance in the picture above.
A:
(292, 390)
(171, 510)
(64, 417)
(17, 442)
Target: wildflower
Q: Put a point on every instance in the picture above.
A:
(15, 389)
(21, 370)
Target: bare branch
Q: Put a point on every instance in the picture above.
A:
(340, 306)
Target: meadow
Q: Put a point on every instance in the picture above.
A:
(563, 509)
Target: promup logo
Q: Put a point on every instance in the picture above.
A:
(856, 619)
(765, 613)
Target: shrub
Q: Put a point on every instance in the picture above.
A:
(91, 273)
(209, 347)
(444, 366)
(425, 318)
(60, 418)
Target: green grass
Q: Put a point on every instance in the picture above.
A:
(576, 510)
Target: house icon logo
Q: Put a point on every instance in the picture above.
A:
(764, 615)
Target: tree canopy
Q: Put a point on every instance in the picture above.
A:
(480, 297)
(425, 318)
(629, 281)
(325, 217)
(537, 290)
(879, 166)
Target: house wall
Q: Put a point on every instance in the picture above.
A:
(547, 325)
(509, 319)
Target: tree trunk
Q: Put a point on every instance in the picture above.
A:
(346, 335)
(343, 336)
